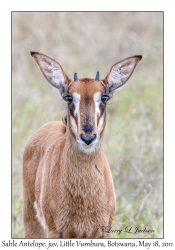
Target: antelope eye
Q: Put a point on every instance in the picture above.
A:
(69, 99)
(104, 98)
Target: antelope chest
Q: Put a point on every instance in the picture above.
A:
(83, 214)
(83, 205)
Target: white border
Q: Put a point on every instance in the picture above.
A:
(5, 96)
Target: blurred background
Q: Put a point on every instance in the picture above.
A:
(87, 42)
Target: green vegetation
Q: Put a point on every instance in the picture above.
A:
(84, 43)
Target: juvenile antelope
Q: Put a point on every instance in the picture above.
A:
(67, 183)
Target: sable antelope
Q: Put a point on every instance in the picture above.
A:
(67, 183)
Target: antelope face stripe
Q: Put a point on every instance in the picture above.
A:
(99, 113)
(87, 118)
(76, 102)
(97, 100)
(74, 110)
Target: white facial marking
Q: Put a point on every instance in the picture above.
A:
(97, 100)
(76, 101)
(100, 125)
(73, 125)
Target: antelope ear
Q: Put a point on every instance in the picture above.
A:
(120, 73)
(52, 71)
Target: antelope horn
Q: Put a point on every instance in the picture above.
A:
(97, 78)
(75, 77)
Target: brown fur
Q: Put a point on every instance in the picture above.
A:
(66, 190)
(67, 185)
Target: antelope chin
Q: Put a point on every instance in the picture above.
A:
(87, 149)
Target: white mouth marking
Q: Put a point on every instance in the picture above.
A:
(88, 149)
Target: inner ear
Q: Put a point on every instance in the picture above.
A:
(52, 71)
(120, 73)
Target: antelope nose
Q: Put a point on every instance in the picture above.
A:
(87, 139)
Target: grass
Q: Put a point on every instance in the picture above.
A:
(85, 43)
(136, 160)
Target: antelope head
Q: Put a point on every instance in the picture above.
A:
(86, 98)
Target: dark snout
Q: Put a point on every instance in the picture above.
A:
(88, 139)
